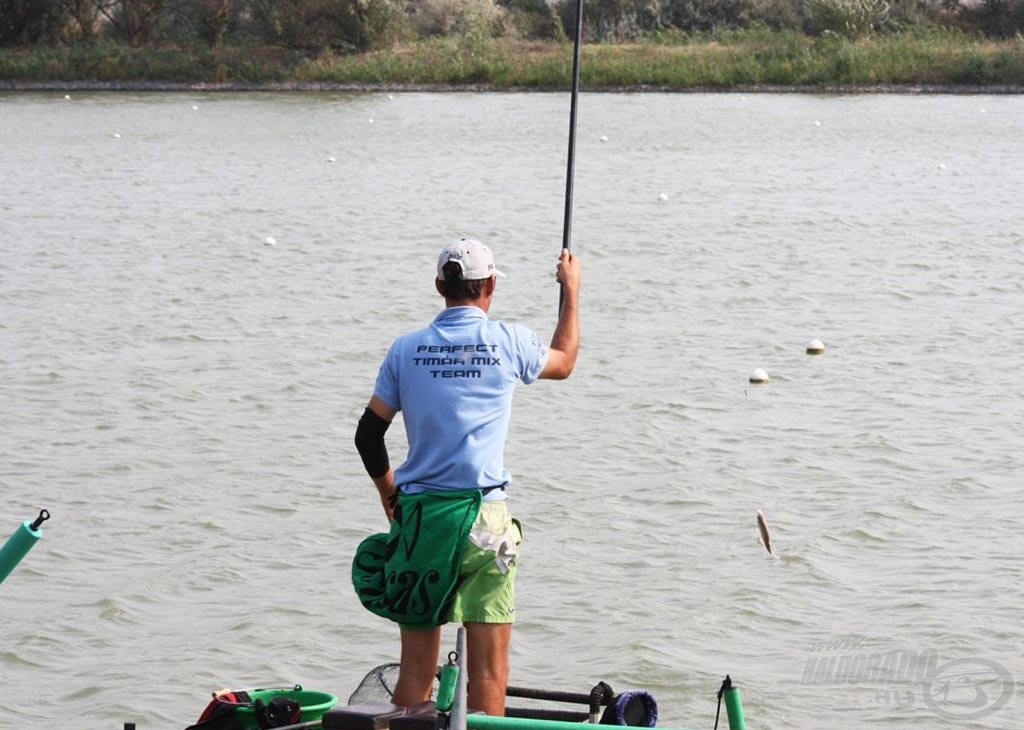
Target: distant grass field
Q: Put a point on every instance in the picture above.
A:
(728, 60)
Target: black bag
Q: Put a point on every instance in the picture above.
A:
(280, 711)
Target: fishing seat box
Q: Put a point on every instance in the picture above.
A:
(361, 717)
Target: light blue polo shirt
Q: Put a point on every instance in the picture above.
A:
(453, 382)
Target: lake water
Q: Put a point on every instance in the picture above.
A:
(196, 291)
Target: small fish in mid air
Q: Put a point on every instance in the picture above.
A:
(762, 525)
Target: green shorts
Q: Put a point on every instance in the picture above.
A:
(486, 592)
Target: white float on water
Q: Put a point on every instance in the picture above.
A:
(67, 96)
(662, 196)
(760, 375)
(604, 137)
(815, 347)
(817, 123)
(942, 166)
(269, 241)
(331, 159)
(195, 107)
(117, 136)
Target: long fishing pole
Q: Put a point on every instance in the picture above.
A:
(570, 167)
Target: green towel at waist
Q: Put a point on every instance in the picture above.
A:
(410, 574)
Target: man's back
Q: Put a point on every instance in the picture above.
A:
(454, 382)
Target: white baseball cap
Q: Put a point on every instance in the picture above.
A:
(475, 259)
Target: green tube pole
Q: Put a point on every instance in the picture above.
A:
(734, 708)
(18, 545)
(487, 722)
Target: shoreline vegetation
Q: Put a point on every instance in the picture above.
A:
(744, 62)
(955, 46)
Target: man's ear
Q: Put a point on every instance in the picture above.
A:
(439, 285)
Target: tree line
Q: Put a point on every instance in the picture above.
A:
(361, 25)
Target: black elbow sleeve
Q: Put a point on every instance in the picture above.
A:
(370, 443)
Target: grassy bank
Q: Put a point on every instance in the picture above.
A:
(727, 60)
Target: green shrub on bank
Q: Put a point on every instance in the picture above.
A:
(727, 60)
(850, 18)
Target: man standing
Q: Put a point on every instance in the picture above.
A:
(451, 552)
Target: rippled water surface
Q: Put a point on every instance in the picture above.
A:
(196, 292)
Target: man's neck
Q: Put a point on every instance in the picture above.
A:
(483, 303)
